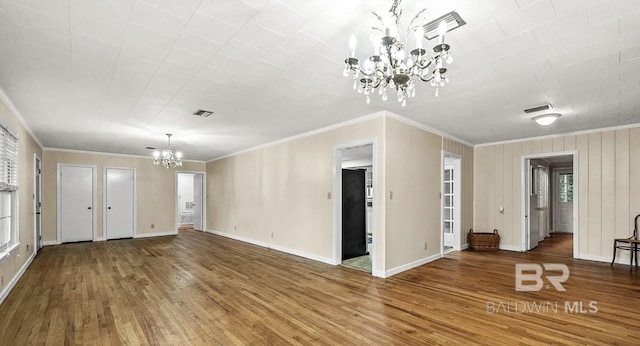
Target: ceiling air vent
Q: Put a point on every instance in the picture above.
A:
(202, 113)
(546, 107)
(452, 19)
(150, 148)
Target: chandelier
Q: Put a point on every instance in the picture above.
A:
(168, 159)
(388, 68)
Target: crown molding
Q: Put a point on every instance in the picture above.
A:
(305, 134)
(12, 108)
(108, 154)
(575, 133)
(427, 128)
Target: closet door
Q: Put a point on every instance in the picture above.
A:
(119, 202)
(75, 205)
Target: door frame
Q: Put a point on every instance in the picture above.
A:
(525, 186)
(104, 200)
(457, 201)
(376, 268)
(37, 186)
(176, 216)
(59, 166)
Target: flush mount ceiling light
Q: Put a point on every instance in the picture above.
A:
(387, 67)
(168, 159)
(546, 119)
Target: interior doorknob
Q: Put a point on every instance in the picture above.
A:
(89, 208)
(108, 207)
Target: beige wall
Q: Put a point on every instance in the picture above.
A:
(609, 191)
(155, 189)
(282, 190)
(277, 195)
(413, 175)
(27, 147)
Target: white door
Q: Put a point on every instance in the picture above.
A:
(563, 201)
(119, 201)
(76, 203)
(448, 206)
(198, 202)
(38, 203)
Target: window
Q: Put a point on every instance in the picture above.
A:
(448, 201)
(541, 186)
(566, 187)
(8, 187)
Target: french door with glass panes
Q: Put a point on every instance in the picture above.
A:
(447, 217)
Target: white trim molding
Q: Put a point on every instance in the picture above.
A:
(5, 292)
(50, 242)
(155, 234)
(273, 247)
(510, 248)
(88, 152)
(12, 108)
(605, 259)
(575, 133)
(412, 265)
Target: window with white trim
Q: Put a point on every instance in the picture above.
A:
(8, 187)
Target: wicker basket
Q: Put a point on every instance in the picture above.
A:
(484, 241)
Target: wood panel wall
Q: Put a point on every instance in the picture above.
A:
(608, 187)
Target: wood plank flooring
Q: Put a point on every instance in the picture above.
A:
(202, 289)
(560, 244)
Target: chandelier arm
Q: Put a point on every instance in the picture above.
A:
(422, 67)
(428, 79)
(411, 27)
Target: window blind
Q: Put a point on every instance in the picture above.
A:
(8, 160)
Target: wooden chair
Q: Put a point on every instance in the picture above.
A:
(632, 244)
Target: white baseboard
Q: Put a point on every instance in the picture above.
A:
(302, 254)
(464, 247)
(510, 248)
(411, 265)
(50, 242)
(99, 239)
(273, 247)
(606, 259)
(238, 238)
(156, 234)
(5, 292)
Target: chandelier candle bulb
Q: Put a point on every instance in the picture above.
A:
(419, 36)
(352, 45)
(442, 29)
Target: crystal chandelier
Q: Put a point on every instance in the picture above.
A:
(168, 159)
(387, 67)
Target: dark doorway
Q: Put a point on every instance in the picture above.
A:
(354, 231)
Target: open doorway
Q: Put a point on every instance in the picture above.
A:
(550, 204)
(451, 202)
(355, 207)
(190, 201)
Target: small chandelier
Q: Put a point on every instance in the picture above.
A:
(168, 158)
(387, 67)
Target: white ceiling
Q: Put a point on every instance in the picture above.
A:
(116, 75)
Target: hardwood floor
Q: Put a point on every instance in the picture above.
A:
(560, 244)
(198, 288)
